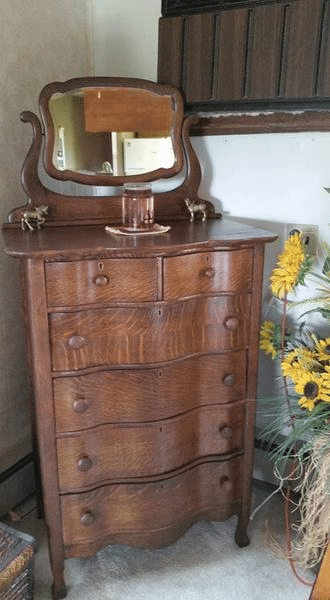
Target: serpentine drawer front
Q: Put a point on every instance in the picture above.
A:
(151, 513)
(149, 334)
(137, 395)
(118, 452)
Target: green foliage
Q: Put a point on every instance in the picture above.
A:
(291, 430)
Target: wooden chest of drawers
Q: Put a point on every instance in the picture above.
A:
(143, 355)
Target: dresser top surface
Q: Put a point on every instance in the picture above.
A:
(80, 241)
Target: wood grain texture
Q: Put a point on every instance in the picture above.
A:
(207, 272)
(138, 395)
(303, 47)
(37, 325)
(264, 52)
(81, 242)
(148, 334)
(198, 57)
(122, 452)
(170, 38)
(127, 109)
(152, 514)
(101, 281)
(134, 99)
(250, 54)
(230, 54)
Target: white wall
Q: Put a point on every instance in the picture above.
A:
(274, 177)
(125, 38)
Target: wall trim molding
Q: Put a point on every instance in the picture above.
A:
(229, 123)
(16, 467)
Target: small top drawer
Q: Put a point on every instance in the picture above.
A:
(101, 281)
(207, 272)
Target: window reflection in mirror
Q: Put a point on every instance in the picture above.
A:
(111, 131)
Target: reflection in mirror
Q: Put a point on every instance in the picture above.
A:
(112, 131)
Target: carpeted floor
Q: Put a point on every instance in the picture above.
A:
(205, 564)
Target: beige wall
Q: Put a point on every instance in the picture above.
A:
(125, 35)
(41, 41)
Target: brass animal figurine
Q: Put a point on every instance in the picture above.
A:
(34, 218)
(195, 206)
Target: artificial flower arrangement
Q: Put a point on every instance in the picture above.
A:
(298, 431)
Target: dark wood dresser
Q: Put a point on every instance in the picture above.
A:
(143, 354)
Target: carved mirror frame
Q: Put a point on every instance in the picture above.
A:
(66, 209)
(132, 99)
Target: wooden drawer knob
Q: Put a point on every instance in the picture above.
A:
(101, 280)
(87, 518)
(231, 323)
(229, 380)
(225, 484)
(76, 342)
(226, 432)
(84, 463)
(80, 405)
(209, 273)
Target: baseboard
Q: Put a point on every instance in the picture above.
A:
(17, 482)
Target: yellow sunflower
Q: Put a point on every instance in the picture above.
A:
(299, 360)
(285, 276)
(270, 338)
(325, 376)
(312, 388)
(322, 350)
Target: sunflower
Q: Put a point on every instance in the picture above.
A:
(270, 338)
(326, 378)
(291, 268)
(322, 349)
(312, 388)
(297, 361)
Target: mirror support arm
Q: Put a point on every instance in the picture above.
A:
(30, 178)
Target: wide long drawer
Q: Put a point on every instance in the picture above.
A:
(100, 281)
(151, 514)
(208, 272)
(149, 334)
(111, 453)
(137, 395)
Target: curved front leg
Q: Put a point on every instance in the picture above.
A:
(59, 590)
(241, 536)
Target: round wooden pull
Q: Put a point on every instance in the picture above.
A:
(226, 432)
(80, 405)
(85, 463)
(229, 380)
(101, 280)
(231, 323)
(87, 518)
(225, 484)
(76, 342)
(209, 273)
